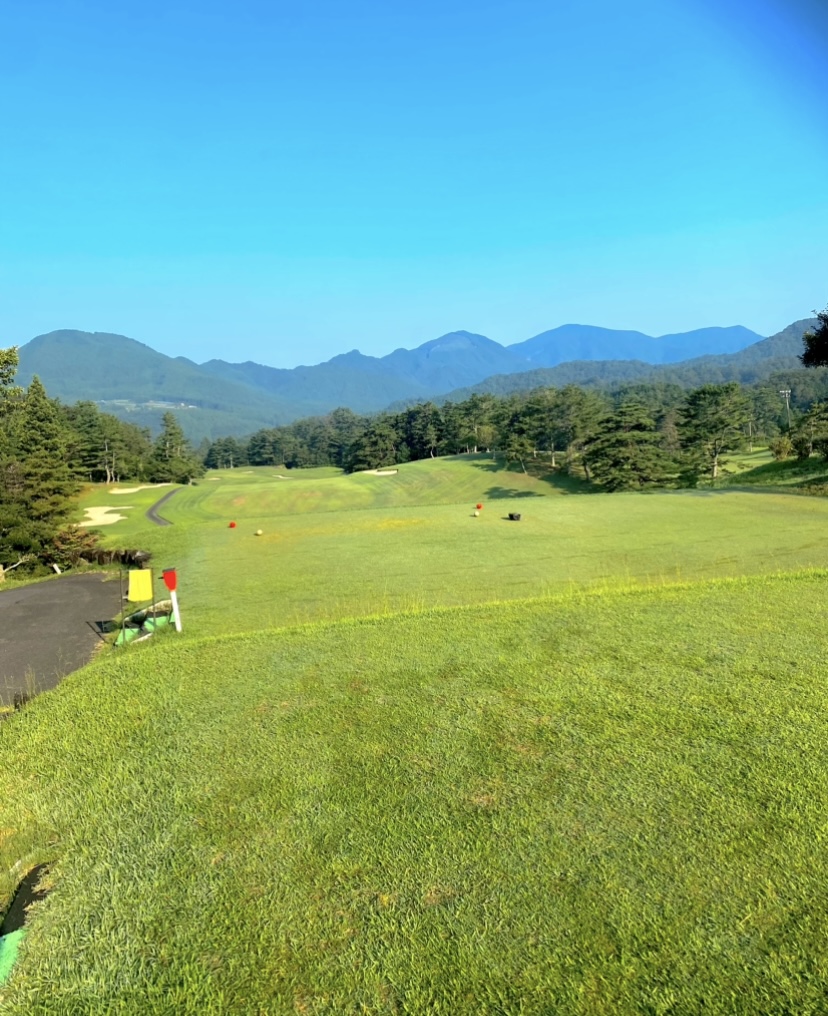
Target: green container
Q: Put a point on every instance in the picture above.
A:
(9, 945)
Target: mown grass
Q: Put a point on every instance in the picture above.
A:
(610, 800)
(337, 546)
(597, 804)
(133, 506)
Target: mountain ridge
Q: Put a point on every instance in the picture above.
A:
(589, 342)
(218, 398)
(760, 360)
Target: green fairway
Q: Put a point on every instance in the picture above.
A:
(440, 796)
(339, 546)
(128, 500)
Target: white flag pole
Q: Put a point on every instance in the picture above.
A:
(176, 613)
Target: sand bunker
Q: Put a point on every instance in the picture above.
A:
(133, 490)
(213, 479)
(99, 516)
(280, 477)
(380, 472)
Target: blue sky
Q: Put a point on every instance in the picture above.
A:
(284, 182)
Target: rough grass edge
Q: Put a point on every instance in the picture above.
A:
(576, 594)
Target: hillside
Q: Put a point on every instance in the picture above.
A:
(586, 342)
(218, 398)
(128, 377)
(368, 383)
(757, 362)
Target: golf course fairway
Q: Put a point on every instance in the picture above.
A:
(407, 760)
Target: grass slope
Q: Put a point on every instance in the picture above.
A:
(604, 804)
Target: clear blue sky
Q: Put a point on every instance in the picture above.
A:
(285, 181)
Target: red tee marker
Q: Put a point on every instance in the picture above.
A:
(478, 506)
(232, 525)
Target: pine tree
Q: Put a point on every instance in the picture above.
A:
(816, 343)
(713, 418)
(628, 453)
(36, 481)
(173, 459)
(377, 446)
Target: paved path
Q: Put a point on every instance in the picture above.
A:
(49, 629)
(152, 513)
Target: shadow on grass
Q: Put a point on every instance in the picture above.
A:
(29, 891)
(560, 482)
(496, 493)
(787, 473)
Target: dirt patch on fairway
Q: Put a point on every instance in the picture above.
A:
(239, 501)
(134, 490)
(99, 515)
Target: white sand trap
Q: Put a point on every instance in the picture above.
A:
(280, 477)
(99, 516)
(134, 490)
(380, 472)
(214, 479)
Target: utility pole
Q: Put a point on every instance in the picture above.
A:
(786, 395)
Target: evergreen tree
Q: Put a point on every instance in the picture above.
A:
(173, 459)
(10, 400)
(542, 422)
(811, 434)
(517, 447)
(474, 413)
(628, 453)
(712, 424)
(37, 483)
(816, 343)
(263, 449)
(226, 453)
(376, 447)
(422, 427)
(581, 414)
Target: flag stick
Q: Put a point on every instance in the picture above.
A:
(176, 614)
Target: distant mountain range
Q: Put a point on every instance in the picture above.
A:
(218, 398)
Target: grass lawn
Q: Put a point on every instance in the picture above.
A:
(338, 546)
(603, 800)
(131, 505)
(605, 804)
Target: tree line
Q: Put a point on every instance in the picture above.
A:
(640, 435)
(47, 450)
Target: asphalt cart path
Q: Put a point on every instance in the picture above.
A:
(152, 513)
(49, 629)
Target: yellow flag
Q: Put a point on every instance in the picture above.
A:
(140, 586)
